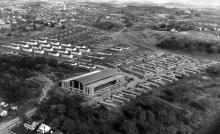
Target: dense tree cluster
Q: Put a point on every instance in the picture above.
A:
(213, 71)
(13, 85)
(143, 116)
(189, 45)
(146, 115)
(107, 25)
(41, 64)
(15, 70)
(142, 10)
(178, 26)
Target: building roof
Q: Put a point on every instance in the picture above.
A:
(44, 128)
(94, 76)
(97, 76)
(84, 75)
(101, 82)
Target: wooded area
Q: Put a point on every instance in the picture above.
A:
(189, 45)
(15, 70)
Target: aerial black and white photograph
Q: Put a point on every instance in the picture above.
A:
(109, 66)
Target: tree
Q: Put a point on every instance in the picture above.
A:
(69, 126)
(55, 123)
(171, 118)
(162, 116)
(150, 116)
(129, 127)
(185, 129)
(171, 130)
(61, 108)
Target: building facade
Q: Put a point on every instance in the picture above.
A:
(94, 83)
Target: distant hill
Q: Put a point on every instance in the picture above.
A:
(170, 3)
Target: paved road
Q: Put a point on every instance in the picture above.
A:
(5, 131)
(9, 123)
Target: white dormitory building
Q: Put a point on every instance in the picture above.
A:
(39, 51)
(116, 48)
(66, 45)
(42, 41)
(28, 50)
(80, 46)
(24, 45)
(48, 49)
(45, 45)
(36, 48)
(63, 52)
(76, 53)
(67, 56)
(54, 54)
(31, 43)
(88, 66)
(55, 43)
(85, 50)
(57, 47)
(103, 53)
(13, 47)
(71, 49)
(96, 57)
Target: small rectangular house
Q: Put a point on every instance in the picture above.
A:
(3, 112)
(31, 125)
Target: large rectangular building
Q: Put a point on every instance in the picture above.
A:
(94, 83)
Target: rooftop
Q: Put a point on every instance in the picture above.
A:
(84, 75)
(44, 128)
(101, 82)
(94, 76)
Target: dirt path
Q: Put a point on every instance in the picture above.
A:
(48, 84)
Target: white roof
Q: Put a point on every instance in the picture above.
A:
(80, 76)
(101, 82)
(44, 128)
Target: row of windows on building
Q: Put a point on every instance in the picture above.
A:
(76, 84)
(104, 85)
